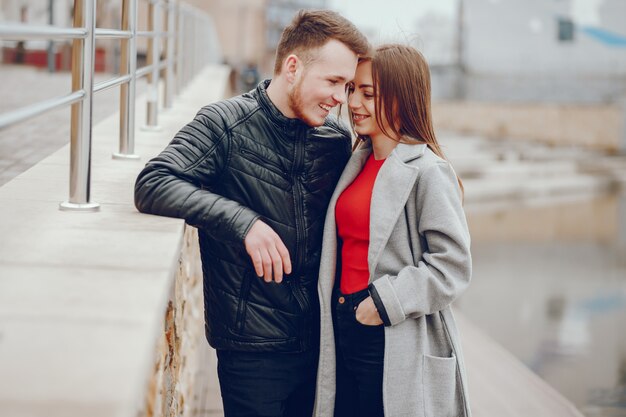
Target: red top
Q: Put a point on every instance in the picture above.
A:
(352, 213)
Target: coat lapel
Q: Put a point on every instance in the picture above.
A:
(393, 185)
(329, 248)
(352, 170)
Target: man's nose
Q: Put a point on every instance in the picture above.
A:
(340, 97)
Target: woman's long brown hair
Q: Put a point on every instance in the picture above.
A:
(402, 88)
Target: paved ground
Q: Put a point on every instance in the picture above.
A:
(207, 401)
(25, 144)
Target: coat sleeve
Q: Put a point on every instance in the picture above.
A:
(445, 268)
(177, 182)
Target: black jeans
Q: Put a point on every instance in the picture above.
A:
(267, 384)
(360, 354)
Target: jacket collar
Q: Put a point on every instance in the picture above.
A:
(407, 153)
(272, 111)
(403, 151)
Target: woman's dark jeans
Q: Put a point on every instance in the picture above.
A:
(360, 353)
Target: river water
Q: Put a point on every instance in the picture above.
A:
(549, 284)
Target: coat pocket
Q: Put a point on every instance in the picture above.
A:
(439, 376)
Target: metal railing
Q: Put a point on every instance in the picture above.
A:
(177, 47)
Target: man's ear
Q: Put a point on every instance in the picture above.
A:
(291, 67)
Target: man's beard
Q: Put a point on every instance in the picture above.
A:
(294, 100)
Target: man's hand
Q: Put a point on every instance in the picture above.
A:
(268, 253)
(367, 314)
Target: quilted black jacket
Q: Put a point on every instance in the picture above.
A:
(240, 160)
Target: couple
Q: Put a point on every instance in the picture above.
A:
(328, 275)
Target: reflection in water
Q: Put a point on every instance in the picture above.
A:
(555, 308)
(574, 335)
(621, 375)
(621, 227)
(557, 298)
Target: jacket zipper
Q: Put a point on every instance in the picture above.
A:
(296, 176)
(243, 300)
(296, 291)
(304, 306)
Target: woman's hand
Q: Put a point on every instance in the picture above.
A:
(367, 314)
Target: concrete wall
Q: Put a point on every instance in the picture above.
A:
(100, 313)
(549, 223)
(598, 127)
(557, 89)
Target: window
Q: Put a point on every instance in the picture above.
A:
(566, 30)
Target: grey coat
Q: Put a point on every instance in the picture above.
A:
(419, 262)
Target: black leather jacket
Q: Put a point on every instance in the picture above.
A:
(240, 160)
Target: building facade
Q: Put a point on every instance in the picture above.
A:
(544, 50)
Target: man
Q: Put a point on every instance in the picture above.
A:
(254, 174)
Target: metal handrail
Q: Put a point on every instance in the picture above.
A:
(28, 112)
(113, 34)
(114, 82)
(148, 33)
(183, 57)
(20, 31)
(148, 69)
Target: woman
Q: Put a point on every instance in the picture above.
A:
(396, 254)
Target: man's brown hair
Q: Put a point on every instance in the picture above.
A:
(311, 29)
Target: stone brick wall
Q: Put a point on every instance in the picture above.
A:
(178, 351)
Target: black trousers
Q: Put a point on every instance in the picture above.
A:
(267, 384)
(360, 353)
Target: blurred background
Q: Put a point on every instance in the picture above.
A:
(529, 101)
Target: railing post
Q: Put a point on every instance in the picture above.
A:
(208, 52)
(82, 79)
(204, 52)
(127, 90)
(179, 48)
(153, 60)
(186, 46)
(170, 54)
(51, 55)
(194, 47)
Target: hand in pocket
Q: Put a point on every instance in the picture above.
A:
(367, 314)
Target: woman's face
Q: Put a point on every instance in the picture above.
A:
(361, 102)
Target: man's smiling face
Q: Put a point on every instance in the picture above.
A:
(320, 84)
